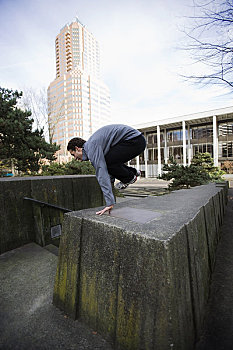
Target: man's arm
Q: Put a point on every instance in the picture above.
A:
(96, 156)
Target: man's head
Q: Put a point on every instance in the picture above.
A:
(75, 147)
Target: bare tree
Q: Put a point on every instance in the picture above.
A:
(56, 113)
(37, 102)
(210, 41)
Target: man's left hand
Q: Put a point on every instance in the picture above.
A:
(101, 212)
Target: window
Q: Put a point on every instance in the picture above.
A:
(150, 154)
(175, 135)
(210, 149)
(229, 149)
(201, 132)
(225, 129)
(169, 136)
(152, 138)
(226, 149)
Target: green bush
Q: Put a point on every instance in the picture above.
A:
(200, 172)
(205, 161)
(80, 168)
(71, 168)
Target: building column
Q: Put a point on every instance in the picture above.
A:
(137, 163)
(215, 140)
(159, 151)
(165, 147)
(184, 143)
(145, 157)
(189, 147)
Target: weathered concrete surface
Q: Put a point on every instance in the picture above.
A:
(143, 286)
(217, 333)
(22, 221)
(16, 219)
(28, 320)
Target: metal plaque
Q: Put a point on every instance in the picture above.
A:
(141, 216)
(55, 231)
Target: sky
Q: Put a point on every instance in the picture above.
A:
(140, 42)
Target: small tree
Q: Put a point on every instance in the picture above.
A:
(200, 172)
(25, 149)
(184, 176)
(204, 160)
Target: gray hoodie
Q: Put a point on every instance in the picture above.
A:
(98, 146)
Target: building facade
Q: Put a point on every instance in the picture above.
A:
(183, 137)
(78, 100)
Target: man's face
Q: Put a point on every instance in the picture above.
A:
(77, 153)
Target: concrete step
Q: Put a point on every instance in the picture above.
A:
(52, 249)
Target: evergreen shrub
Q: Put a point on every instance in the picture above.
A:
(199, 172)
(73, 167)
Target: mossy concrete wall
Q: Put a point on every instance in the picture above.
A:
(142, 285)
(22, 221)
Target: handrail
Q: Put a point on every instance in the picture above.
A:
(46, 204)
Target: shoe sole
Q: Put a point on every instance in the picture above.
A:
(126, 185)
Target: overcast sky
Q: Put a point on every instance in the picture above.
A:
(140, 59)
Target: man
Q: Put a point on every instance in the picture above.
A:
(108, 149)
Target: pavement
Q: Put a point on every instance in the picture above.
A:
(29, 321)
(143, 188)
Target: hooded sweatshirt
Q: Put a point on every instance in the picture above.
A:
(98, 146)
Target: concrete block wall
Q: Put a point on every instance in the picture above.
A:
(142, 285)
(22, 221)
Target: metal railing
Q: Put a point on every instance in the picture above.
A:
(41, 203)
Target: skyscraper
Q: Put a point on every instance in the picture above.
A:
(78, 100)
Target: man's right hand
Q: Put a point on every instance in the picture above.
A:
(101, 212)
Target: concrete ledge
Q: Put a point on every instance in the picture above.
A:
(23, 222)
(142, 285)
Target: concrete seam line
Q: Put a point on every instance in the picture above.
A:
(78, 301)
(191, 284)
(207, 237)
(117, 292)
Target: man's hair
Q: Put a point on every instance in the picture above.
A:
(76, 141)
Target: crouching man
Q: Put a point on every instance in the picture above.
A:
(108, 149)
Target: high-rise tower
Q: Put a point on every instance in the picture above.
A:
(78, 100)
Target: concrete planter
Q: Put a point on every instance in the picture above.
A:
(142, 284)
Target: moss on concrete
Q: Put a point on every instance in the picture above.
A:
(143, 286)
(23, 222)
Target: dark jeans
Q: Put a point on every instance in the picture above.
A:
(122, 153)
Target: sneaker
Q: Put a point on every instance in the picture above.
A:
(120, 185)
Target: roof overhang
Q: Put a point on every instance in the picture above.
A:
(190, 119)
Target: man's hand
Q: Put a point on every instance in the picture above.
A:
(101, 212)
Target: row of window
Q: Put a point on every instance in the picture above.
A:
(225, 150)
(202, 132)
